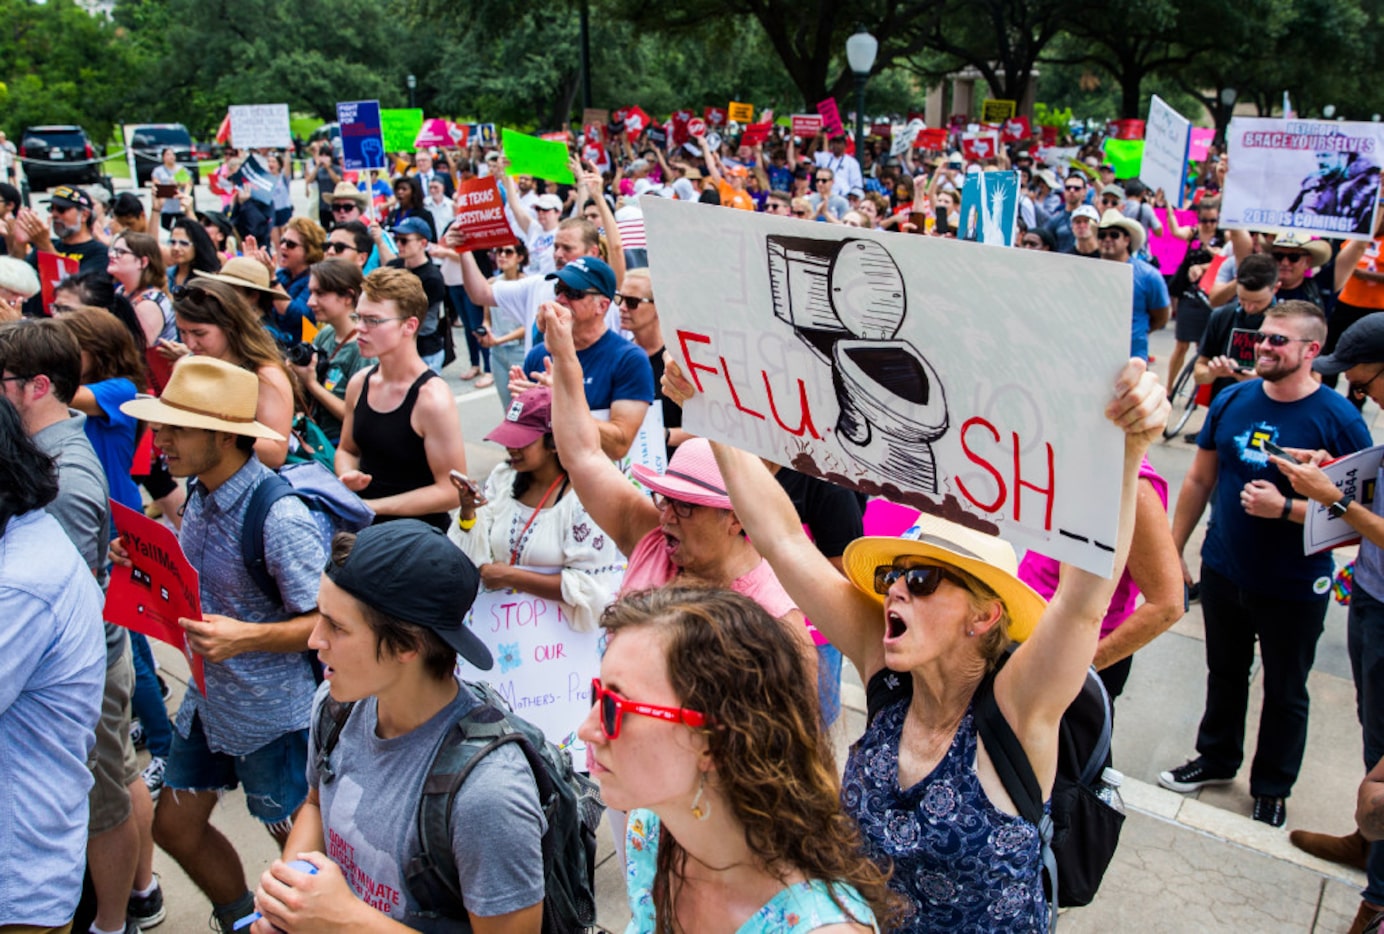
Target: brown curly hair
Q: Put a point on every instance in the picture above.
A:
(728, 658)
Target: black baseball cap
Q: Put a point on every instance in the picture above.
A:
(409, 570)
(1362, 342)
(68, 196)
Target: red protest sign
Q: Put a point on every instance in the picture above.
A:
(1049, 135)
(636, 120)
(159, 587)
(755, 134)
(561, 136)
(979, 146)
(831, 116)
(594, 133)
(696, 127)
(805, 125)
(481, 214)
(1017, 128)
(931, 138)
(714, 116)
(52, 269)
(681, 121)
(881, 130)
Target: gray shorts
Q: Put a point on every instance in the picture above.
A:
(113, 762)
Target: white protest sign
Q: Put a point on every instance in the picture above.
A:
(542, 667)
(902, 136)
(1167, 138)
(1315, 176)
(260, 126)
(1355, 475)
(963, 381)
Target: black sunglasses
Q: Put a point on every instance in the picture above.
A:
(1277, 340)
(561, 289)
(632, 302)
(506, 251)
(1075, 187)
(338, 247)
(1288, 257)
(1110, 234)
(819, 179)
(920, 581)
(342, 207)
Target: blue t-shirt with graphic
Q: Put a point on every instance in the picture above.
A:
(1265, 555)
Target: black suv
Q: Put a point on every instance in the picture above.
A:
(149, 140)
(58, 155)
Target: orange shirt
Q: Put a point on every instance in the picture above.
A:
(1357, 291)
(730, 198)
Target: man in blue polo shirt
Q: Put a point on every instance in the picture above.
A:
(1121, 238)
(617, 373)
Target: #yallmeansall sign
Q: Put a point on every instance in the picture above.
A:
(158, 588)
(1315, 176)
(481, 214)
(996, 111)
(362, 136)
(542, 666)
(1355, 475)
(1167, 138)
(400, 126)
(964, 382)
(260, 126)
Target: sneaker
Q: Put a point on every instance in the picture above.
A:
(1194, 592)
(153, 776)
(137, 738)
(1190, 777)
(146, 911)
(1350, 850)
(1270, 810)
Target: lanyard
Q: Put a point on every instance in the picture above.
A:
(518, 542)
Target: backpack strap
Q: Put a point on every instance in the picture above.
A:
(270, 490)
(331, 719)
(1016, 774)
(1101, 753)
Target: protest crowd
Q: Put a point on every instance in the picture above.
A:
(227, 429)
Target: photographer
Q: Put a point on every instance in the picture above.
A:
(325, 366)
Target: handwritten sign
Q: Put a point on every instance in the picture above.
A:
(740, 113)
(1315, 176)
(1355, 475)
(542, 667)
(648, 449)
(806, 125)
(996, 111)
(964, 382)
(260, 126)
(1167, 138)
(362, 137)
(831, 117)
(990, 208)
(158, 588)
(481, 214)
(399, 127)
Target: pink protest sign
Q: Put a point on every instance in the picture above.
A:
(831, 116)
(1201, 143)
(1169, 250)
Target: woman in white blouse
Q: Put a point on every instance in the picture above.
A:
(529, 517)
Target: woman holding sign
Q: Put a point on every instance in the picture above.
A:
(943, 604)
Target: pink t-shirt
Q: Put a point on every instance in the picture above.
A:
(1040, 571)
(650, 567)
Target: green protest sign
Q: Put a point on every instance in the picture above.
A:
(400, 127)
(541, 158)
(1126, 156)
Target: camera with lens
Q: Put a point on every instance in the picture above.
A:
(300, 354)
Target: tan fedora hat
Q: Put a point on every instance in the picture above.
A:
(1318, 251)
(246, 273)
(207, 393)
(345, 191)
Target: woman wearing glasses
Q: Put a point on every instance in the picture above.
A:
(734, 821)
(943, 603)
(136, 264)
(1191, 306)
(505, 337)
(190, 250)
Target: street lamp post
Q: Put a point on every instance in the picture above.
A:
(1228, 96)
(861, 49)
(412, 83)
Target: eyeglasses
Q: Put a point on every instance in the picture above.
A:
(1277, 340)
(290, 244)
(613, 708)
(339, 248)
(118, 252)
(821, 179)
(1110, 234)
(506, 251)
(563, 290)
(343, 207)
(1110, 199)
(1357, 389)
(799, 213)
(920, 581)
(1075, 187)
(1208, 220)
(1288, 257)
(681, 509)
(632, 301)
(370, 322)
(15, 379)
(180, 244)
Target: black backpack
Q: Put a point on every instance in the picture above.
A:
(570, 801)
(1080, 837)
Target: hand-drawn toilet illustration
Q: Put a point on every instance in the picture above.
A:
(846, 301)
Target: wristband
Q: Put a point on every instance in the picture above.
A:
(466, 525)
(1287, 507)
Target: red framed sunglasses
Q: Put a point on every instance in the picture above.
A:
(613, 707)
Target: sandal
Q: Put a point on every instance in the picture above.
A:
(471, 373)
(485, 381)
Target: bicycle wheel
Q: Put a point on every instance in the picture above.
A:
(1184, 400)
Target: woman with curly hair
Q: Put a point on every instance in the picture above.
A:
(734, 819)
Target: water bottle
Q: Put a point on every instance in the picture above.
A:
(1108, 790)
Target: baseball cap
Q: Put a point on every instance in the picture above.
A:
(1362, 342)
(856, 193)
(66, 196)
(1113, 190)
(586, 273)
(409, 570)
(412, 226)
(548, 203)
(1088, 212)
(529, 418)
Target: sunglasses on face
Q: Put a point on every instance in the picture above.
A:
(1277, 340)
(563, 290)
(339, 247)
(920, 581)
(1209, 220)
(821, 179)
(1110, 234)
(1075, 187)
(344, 207)
(613, 708)
(1288, 257)
(799, 213)
(506, 251)
(290, 244)
(632, 302)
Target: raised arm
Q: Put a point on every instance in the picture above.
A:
(475, 283)
(713, 161)
(522, 217)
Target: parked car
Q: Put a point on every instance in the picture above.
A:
(149, 140)
(58, 154)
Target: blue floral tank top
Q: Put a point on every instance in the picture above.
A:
(796, 909)
(962, 863)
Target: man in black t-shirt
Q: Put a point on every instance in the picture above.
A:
(70, 212)
(412, 236)
(639, 316)
(1226, 355)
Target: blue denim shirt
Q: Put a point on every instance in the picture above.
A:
(256, 697)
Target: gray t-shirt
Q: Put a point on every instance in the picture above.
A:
(497, 823)
(83, 505)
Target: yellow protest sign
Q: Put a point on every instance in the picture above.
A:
(996, 111)
(740, 113)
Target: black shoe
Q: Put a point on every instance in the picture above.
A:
(1190, 437)
(1194, 592)
(164, 689)
(1270, 810)
(146, 911)
(1190, 777)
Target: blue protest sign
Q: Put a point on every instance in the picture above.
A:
(362, 136)
(990, 208)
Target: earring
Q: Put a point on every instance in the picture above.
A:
(970, 632)
(698, 811)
